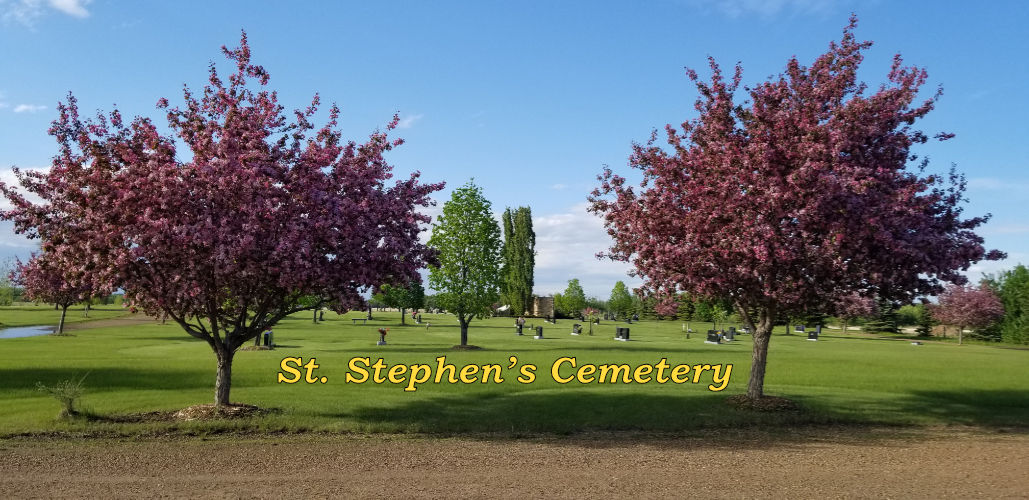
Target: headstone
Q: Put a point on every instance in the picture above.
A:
(268, 338)
(576, 329)
(382, 339)
(712, 337)
(799, 328)
(731, 333)
(818, 329)
(518, 329)
(812, 335)
(419, 318)
(539, 332)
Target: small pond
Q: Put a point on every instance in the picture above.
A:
(25, 331)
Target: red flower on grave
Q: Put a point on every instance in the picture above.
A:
(383, 330)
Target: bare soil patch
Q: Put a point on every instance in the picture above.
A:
(819, 465)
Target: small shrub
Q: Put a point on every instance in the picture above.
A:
(65, 392)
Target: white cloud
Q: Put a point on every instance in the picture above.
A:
(4, 105)
(29, 108)
(75, 8)
(767, 8)
(566, 245)
(557, 186)
(27, 11)
(975, 272)
(7, 177)
(409, 121)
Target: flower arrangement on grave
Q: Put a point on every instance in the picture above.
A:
(382, 331)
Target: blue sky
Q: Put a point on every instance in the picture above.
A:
(531, 99)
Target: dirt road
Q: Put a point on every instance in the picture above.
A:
(943, 464)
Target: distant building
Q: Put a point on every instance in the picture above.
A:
(543, 307)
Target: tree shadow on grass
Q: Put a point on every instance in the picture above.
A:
(569, 412)
(106, 378)
(566, 413)
(983, 408)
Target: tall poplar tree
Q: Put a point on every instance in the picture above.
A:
(519, 259)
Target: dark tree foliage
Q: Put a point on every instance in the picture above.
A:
(519, 259)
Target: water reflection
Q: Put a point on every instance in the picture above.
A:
(25, 331)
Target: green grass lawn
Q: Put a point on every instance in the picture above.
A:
(32, 315)
(840, 379)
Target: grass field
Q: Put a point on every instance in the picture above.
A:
(30, 315)
(848, 379)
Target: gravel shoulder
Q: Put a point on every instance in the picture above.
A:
(943, 463)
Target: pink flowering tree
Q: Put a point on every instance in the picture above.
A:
(854, 306)
(591, 315)
(666, 307)
(968, 307)
(45, 282)
(258, 216)
(795, 198)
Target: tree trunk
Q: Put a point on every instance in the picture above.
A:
(759, 359)
(223, 382)
(369, 311)
(60, 326)
(403, 311)
(314, 318)
(464, 330)
(845, 326)
(762, 335)
(961, 334)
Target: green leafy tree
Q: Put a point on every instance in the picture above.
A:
(1012, 286)
(574, 299)
(886, 320)
(412, 297)
(559, 304)
(703, 311)
(907, 315)
(686, 308)
(647, 307)
(621, 300)
(430, 302)
(925, 323)
(519, 259)
(595, 303)
(7, 290)
(467, 279)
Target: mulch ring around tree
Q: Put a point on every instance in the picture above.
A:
(765, 403)
(198, 412)
(466, 347)
(255, 348)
